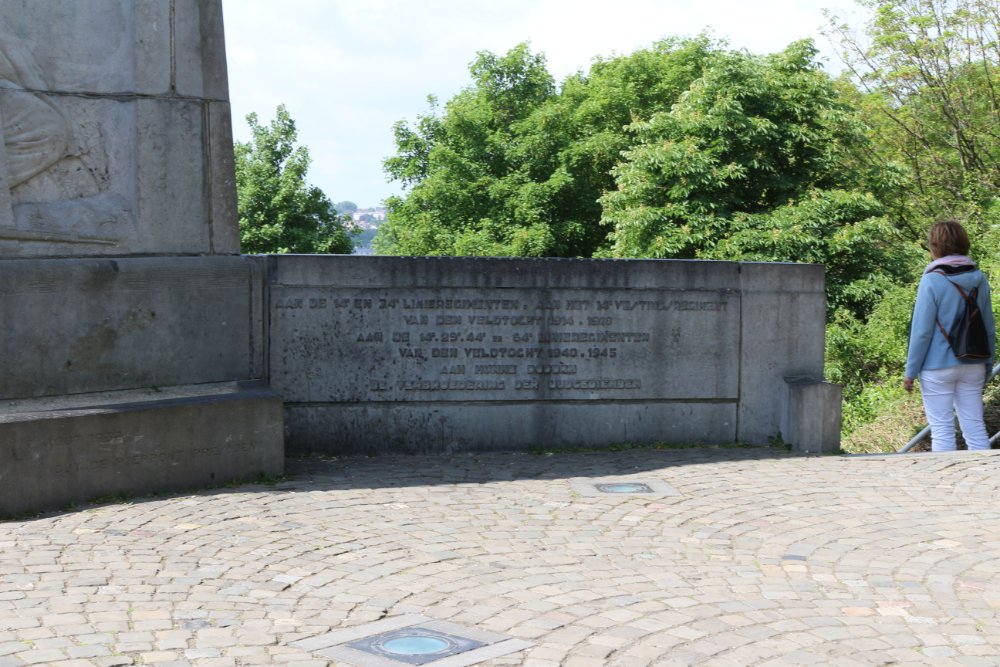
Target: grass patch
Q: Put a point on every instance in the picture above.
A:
(120, 498)
(261, 479)
(900, 416)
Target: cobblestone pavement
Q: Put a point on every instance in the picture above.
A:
(739, 557)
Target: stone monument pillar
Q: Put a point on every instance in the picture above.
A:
(130, 327)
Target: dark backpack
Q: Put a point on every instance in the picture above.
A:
(967, 336)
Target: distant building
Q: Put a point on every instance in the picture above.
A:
(369, 214)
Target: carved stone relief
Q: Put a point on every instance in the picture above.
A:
(54, 171)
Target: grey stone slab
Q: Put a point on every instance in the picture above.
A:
(500, 273)
(170, 146)
(83, 201)
(201, 49)
(6, 206)
(225, 231)
(54, 455)
(153, 62)
(113, 47)
(439, 428)
(440, 354)
(811, 419)
(783, 333)
(259, 326)
(80, 47)
(85, 325)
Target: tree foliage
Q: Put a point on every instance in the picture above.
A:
(512, 166)
(928, 70)
(753, 134)
(279, 212)
(865, 256)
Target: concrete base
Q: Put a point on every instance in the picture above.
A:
(442, 428)
(74, 449)
(811, 417)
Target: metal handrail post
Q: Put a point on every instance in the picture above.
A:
(927, 429)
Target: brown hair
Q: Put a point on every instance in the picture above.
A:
(948, 237)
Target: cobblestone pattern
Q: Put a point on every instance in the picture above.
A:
(762, 559)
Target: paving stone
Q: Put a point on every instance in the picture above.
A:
(762, 558)
(44, 656)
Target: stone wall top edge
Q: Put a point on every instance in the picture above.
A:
(137, 261)
(493, 258)
(83, 274)
(493, 272)
(783, 277)
(140, 406)
(291, 257)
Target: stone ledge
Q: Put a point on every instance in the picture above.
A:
(54, 452)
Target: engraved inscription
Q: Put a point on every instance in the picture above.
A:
(457, 344)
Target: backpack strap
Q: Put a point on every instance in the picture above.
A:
(957, 286)
(943, 332)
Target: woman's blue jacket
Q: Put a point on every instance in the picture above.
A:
(938, 300)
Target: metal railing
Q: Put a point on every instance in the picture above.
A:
(927, 429)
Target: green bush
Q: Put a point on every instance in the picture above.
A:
(868, 357)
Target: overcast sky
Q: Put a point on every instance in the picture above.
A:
(348, 69)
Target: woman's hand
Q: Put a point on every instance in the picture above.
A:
(908, 384)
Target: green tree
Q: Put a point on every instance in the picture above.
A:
(279, 212)
(755, 133)
(512, 166)
(863, 252)
(459, 166)
(928, 69)
(346, 206)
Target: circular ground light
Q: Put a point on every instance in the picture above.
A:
(624, 487)
(416, 645)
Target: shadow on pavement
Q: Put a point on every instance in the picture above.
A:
(329, 473)
(351, 472)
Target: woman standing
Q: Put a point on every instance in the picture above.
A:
(949, 385)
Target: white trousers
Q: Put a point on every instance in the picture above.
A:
(947, 391)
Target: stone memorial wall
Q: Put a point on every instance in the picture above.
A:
(442, 354)
(141, 353)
